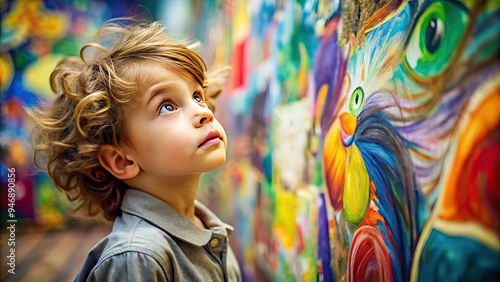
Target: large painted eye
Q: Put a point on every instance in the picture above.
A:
(356, 102)
(435, 38)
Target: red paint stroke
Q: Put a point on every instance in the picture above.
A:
(368, 258)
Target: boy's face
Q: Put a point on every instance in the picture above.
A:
(170, 129)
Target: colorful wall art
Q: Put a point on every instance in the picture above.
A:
(364, 139)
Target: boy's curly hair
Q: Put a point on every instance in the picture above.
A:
(88, 109)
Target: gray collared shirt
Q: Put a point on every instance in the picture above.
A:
(151, 241)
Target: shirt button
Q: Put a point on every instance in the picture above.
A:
(214, 242)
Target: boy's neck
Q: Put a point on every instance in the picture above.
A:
(179, 192)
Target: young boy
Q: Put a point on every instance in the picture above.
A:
(128, 135)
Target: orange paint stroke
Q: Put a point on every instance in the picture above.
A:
(467, 195)
(348, 123)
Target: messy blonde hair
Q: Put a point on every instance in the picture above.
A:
(91, 92)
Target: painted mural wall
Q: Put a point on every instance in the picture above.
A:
(364, 140)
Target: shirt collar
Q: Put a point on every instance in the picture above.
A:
(164, 216)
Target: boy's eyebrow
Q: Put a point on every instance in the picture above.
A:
(157, 90)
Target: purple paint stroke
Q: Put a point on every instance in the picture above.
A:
(330, 67)
(324, 252)
(444, 119)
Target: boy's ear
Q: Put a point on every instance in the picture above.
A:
(116, 162)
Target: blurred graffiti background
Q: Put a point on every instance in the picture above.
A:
(35, 36)
(363, 135)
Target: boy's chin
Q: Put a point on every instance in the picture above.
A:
(216, 163)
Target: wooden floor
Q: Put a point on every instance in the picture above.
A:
(43, 254)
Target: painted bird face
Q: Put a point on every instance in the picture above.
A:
(365, 91)
(367, 166)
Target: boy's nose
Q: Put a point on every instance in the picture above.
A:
(204, 115)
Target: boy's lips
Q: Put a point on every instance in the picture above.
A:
(213, 137)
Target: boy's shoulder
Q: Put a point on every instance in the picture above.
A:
(132, 240)
(134, 234)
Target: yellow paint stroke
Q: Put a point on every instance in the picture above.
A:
(285, 224)
(356, 187)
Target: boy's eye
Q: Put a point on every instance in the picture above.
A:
(167, 107)
(197, 97)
